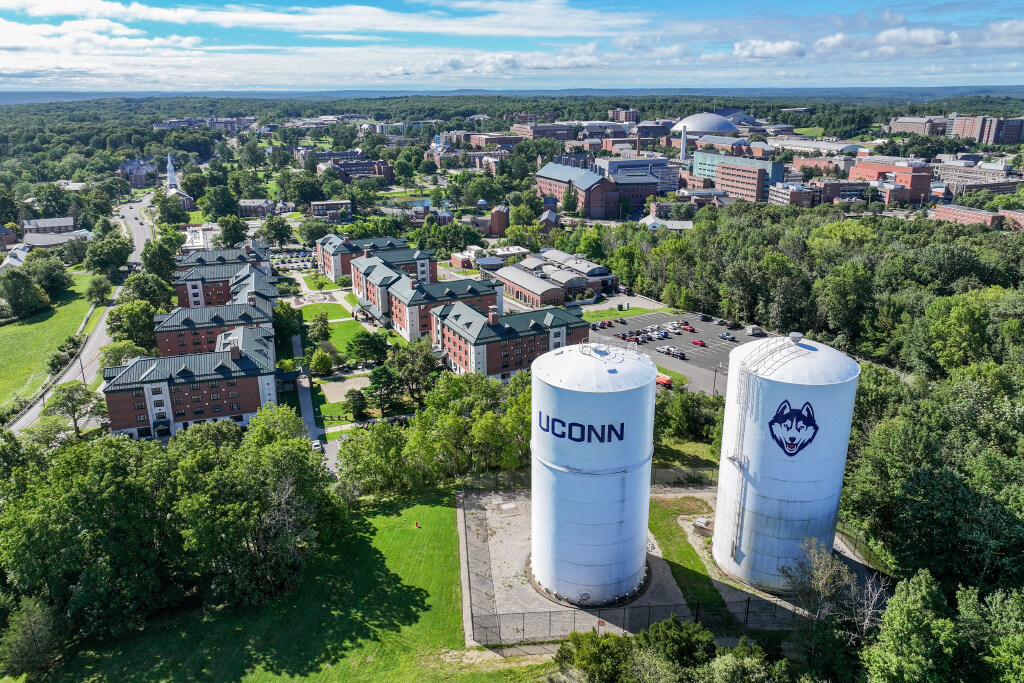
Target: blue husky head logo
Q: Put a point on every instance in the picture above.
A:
(793, 429)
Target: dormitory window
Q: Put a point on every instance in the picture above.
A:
(197, 411)
(217, 409)
(505, 364)
(176, 400)
(197, 399)
(234, 406)
(180, 333)
(176, 389)
(141, 418)
(140, 406)
(504, 342)
(179, 413)
(194, 386)
(181, 343)
(214, 384)
(232, 382)
(136, 392)
(519, 351)
(158, 404)
(214, 397)
(156, 391)
(232, 394)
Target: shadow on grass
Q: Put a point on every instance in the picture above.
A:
(347, 596)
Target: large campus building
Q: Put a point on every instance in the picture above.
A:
(158, 397)
(598, 196)
(746, 178)
(195, 330)
(397, 299)
(334, 253)
(499, 346)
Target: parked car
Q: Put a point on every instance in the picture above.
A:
(755, 331)
(679, 354)
(705, 318)
(698, 342)
(607, 323)
(593, 326)
(727, 337)
(734, 326)
(621, 321)
(663, 349)
(722, 322)
(317, 445)
(687, 328)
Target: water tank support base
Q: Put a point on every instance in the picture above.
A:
(565, 602)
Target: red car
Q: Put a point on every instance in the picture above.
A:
(698, 342)
(687, 328)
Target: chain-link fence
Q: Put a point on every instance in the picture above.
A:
(520, 479)
(721, 618)
(856, 540)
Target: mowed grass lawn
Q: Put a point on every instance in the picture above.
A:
(687, 567)
(816, 131)
(382, 603)
(678, 453)
(333, 311)
(678, 379)
(26, 344)
(612, 314)
(342, 333)
(318, 282)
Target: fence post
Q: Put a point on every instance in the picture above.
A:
(746, 613)
(696, 613)
(549, 624)
(522, 634)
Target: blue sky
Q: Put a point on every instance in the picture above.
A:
(498, 44)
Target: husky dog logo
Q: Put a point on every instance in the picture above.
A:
(793, 429)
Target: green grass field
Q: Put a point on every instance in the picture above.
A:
(196, 217)
(94, 319)
(677, 453)
(27, 343)
(316, 281)
(687, 567)
(612, 314)
(382, 603)
(342, 332)
(350, 297)
(678, 379)
(816, 131)
(333, 311)
(467, 271)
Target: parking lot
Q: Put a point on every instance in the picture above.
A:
(705, 366)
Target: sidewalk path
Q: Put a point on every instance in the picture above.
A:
(305, 396)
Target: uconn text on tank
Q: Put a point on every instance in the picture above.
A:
(576, 431)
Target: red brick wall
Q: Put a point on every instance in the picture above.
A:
(169, 342)
(121, 410)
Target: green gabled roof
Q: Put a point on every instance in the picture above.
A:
(439, 291)
(259, 251)
(257, 359)
(207, 316)
(472, 325)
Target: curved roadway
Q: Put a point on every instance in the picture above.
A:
(138, 225)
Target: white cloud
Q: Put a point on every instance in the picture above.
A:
(763, 49)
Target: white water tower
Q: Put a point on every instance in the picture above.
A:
(788, 410)
(592, 441)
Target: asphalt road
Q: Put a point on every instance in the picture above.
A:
(706, 366)
(87, 368)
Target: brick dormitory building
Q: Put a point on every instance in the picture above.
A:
(334, 253)
(396, 299)
(499, 346)
(217, 359)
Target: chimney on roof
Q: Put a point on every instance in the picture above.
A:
(250, 298)
(413, 283)
(366, 253)
(236, 350)
(248, 247)
(346, 240)
(492, 315)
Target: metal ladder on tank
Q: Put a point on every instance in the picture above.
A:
(764, 361)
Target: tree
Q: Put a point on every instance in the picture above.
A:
(73, 251)
(170, 209)
(115, 354)
(319, 330)
(275, 230)
(49, 431)
(148, 287)
(415, 365)
(687, 644)
(522, 215)
(367, 345)
(99, 289)
(356, 403)
(158, 259)
(108, 255)
(384, 384)
(75, 401)
(314, 229)
(670, 295)
(287, 322)
(570, 200)
(918, 640)
(321, 363)
(194, 184)
(218, 202)
(232, 231)
(133, 321)
(31, 641)
(49, 273)
(23, 296)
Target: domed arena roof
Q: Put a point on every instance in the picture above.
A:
(705, 122)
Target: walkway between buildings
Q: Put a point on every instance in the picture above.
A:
(305, 396)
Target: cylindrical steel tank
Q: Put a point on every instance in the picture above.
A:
(789, 405)
(592, 441)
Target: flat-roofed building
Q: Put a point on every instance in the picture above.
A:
(334, 210)
(533, 131)
(51, 226)
(529, 289)
(988, 130)
(255, 208)
(501, 345)
(790, 194)
(497, 139)
(921, 125)
(966, 215)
